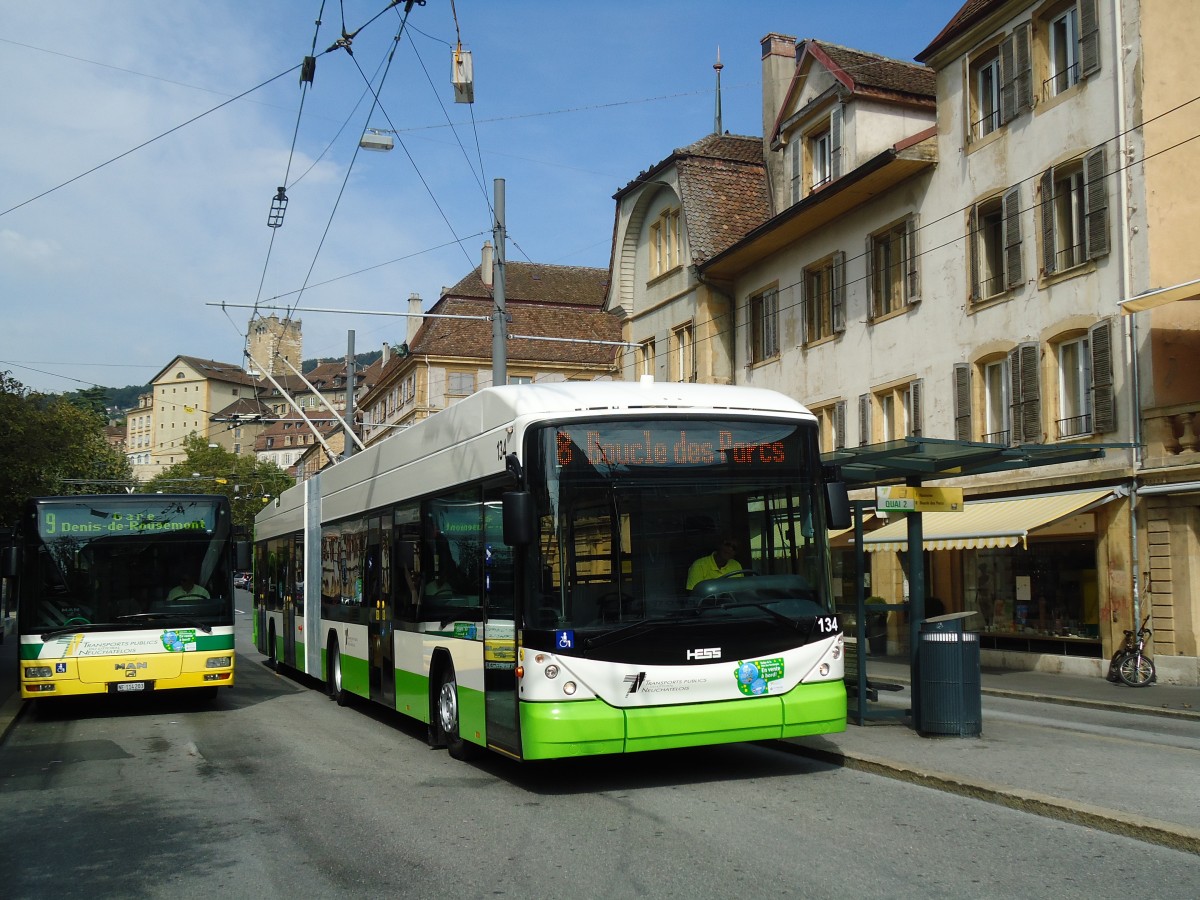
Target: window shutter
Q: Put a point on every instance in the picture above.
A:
(1048, 222)
(1014, 396)
(1031, 401)
(915, 389)
(1104, 414)
(974, 239)
(911, 258)
(752, 313)
(839, 425)
(838, 291)
(1095, 211)
(773, 330)
(1008, 79)
(870, 260)
(835, 142)
(795, 150)
(1024, 68)
(1013, 271)
(1089, 38)
(962, 401)
(802, 289)
(864, 419)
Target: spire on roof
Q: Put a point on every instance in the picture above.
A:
(718, 66)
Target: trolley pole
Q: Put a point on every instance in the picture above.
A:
(499, 312)
(351, 380)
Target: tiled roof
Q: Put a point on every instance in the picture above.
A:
(968, 14)
(722, 202)
(541, 283)
(473, 339)
(244, 406)
(730, 148)
(210, 368)
(872, 73)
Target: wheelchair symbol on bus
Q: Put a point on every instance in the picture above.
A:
(564, 640)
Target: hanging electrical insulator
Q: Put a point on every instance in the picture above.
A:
(308, 69)
(278, 208)
(462, 76)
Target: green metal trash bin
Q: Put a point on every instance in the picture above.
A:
(949, 681)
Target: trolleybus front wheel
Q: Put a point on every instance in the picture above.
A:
(447, 712)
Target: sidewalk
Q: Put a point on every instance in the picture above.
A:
(1084, 750)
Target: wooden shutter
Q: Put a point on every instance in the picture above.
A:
(839, 425)
(974, 239)
(835, 142)
(1023, 61)
(1014, 272)
(912, 259)
(915, 407)
(864, 419)
(1089, 38)
(1014, 396)
(1047, 208)
(805, 300)
(1008, 79)
(870, 259)
(1104, 413)
(1031, 400)
(837, 290)
(795, 151)
(962, 401)
(1095, 203)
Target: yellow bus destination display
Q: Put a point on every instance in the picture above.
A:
(86, 521)
(691, 444)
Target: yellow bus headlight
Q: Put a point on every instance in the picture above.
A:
(37, 671)
(219, 662)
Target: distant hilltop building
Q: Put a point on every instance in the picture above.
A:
(272, 340)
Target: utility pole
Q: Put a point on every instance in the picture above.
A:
(351, 383)
(499, 312)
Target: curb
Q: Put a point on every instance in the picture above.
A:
(1154, 831)
(9, 713)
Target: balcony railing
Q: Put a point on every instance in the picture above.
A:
(998, 437)
(1172, 435)
(1075, 426)
(1060, 81)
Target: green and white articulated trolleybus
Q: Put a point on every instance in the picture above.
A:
(513, 571)
(127, 593)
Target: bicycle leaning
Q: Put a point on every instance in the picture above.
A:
(1130, 665)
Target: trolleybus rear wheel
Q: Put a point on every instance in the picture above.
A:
(336, 691)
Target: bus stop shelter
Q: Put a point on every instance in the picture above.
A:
(914, 461)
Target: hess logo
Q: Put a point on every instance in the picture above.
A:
(705, 653)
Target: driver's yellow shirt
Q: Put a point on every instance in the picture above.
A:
(706, 567)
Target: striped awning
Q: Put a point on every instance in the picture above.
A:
(987, 523)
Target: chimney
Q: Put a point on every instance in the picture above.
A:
(387, 354)
(485, 267)
(778, 66)
(414, 317)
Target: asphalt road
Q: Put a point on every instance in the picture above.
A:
(277, 792)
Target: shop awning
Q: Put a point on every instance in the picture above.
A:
(987, 523)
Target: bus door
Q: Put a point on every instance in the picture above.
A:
(499, 634)
(291, 575)
(377, 591)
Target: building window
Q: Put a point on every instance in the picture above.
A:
(460, 384)
(819, 150)
(896, 410)
(664, 242)
(1074, 388)
(681, 356)
(985, 93)
(831, 420)
(644, 358)
(764, 325)
(520, 379)
(1070, 36)
(825, 299)
(996, 405)
(892, 263)
(995, 258)
(1074, 213)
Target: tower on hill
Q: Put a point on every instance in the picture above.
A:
(271, 340)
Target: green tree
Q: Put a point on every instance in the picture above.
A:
(50, 446)
(248, 483)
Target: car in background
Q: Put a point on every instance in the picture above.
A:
(242, 580)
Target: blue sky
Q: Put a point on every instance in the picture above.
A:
(108, 276)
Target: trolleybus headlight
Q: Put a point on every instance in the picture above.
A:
(551, 671)
(837, 650)
(569, 688)
(37, 671)
(218, 662)
(824, 670)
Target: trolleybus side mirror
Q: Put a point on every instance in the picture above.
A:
(241, 553)
(837, 505)
(519, 517)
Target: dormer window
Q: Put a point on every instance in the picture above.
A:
(664, 242)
